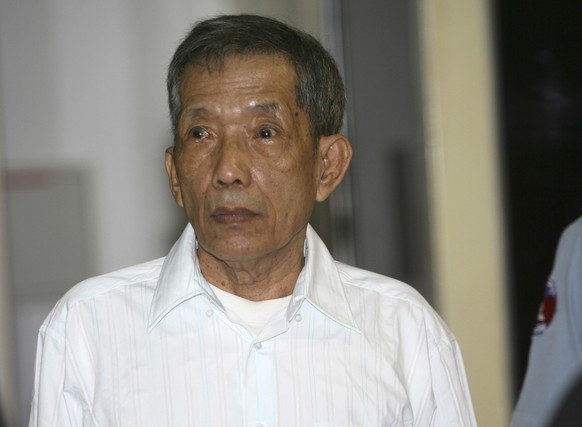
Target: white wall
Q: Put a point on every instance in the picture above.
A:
(83, 89)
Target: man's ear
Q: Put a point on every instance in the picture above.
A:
(336, 153)
(173, 176)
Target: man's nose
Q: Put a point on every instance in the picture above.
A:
(232, 166)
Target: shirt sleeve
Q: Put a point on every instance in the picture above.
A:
(52, 404)
(451, 390)
(431, 365)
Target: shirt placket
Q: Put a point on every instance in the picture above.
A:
(260, 385)
(261, 376)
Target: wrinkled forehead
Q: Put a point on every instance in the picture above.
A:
(260, 84)
(241, 68)
(212, 63)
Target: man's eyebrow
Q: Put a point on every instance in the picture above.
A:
(273, 107)
(194, 113)
(266, 107)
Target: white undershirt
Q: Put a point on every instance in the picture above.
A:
(252, 314)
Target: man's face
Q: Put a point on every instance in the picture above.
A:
(243, 167)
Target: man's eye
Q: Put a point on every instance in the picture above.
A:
(198, 133)
(266, 133)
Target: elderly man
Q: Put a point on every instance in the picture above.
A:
(248, 320)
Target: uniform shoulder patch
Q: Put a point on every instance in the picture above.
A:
(547, 308)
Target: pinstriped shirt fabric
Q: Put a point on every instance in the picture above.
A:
(151, 345)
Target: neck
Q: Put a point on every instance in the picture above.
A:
(269, 277)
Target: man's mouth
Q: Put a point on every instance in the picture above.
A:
(225, 215)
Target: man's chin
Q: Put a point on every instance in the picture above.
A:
(233, 250)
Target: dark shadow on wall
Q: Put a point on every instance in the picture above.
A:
(540, 94)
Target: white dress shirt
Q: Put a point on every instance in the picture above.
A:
(151, 345)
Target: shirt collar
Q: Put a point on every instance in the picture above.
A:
(319, 283)
(180, 278)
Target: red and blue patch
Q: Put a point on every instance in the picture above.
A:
(547, 308)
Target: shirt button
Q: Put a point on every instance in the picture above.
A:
(298, 318)
(258, 346)
(209, 313)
